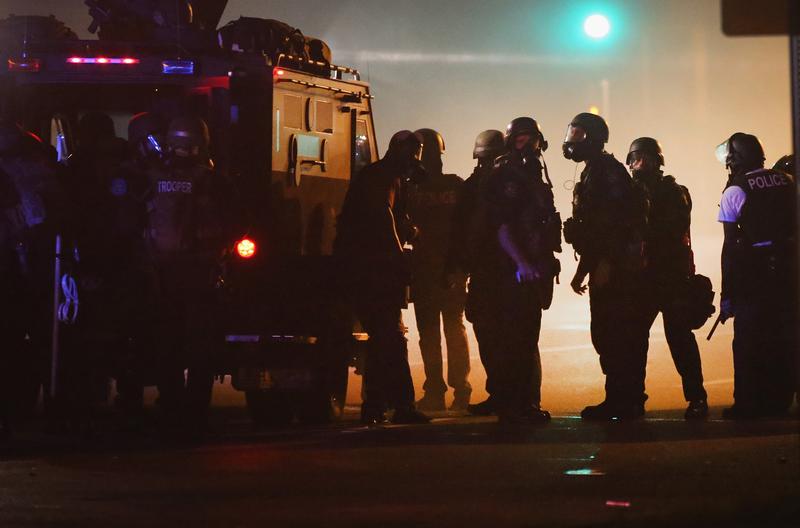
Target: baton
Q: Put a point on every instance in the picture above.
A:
(714, 328)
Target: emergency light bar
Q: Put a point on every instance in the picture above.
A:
(102, 60)
(177, 67)
(24, 65)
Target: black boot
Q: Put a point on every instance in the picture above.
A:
(484, 408)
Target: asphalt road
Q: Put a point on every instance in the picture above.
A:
(458, 471)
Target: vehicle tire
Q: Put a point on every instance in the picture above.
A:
(268, 408)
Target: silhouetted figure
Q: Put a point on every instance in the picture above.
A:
(474, 250)
(438, 305)
(606, 230)
(371, 231)
(670, 263)
(759, 278)
(528, 230)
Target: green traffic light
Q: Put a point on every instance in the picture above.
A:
(596, 26)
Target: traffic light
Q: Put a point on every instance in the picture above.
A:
(597, 26)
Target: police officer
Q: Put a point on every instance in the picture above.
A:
(186, 235)
(759, 278)
(371, 231)
(437, 305)
(101, 198)
(528, 231)
(130, 192)
(30, 213)
(606, 230)
(670, 262)
(474, 251)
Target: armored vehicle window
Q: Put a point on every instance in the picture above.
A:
(324, 117)
(309, 147)
(293, 108)
(362, 156)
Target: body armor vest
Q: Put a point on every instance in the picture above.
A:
(177, 210)
(768, 214)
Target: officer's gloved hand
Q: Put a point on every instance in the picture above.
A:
(727, 310)
(527, 272)
(577, 284)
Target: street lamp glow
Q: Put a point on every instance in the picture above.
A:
(596, 26)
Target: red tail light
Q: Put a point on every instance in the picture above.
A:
(246, 248)
(24, 65)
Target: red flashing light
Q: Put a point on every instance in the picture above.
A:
(279, 72)
(24, 65)
(102, 60)
(246, 248)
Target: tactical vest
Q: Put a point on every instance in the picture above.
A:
(177, 209)
(768, 214)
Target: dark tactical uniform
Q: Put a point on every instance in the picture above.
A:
(474, 250)
(606, 226)
(29, 213)
(520, 199)
(431, 206)
(185, 237)
(669, 264)
(108, 234)
(761, 282)
(370, 234)
(378, 280)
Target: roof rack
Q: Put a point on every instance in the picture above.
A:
(336, 72)
(359, 95)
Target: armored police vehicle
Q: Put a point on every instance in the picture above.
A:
(288, 129)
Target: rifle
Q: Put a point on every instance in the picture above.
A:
(714, 328)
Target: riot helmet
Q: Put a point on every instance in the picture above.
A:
(645, 148)
(785, 164)
(95, 128)
(586, 135)
(525, 126)
(488, 145)
(145, 135)
(405, 145)
(11, 136)
(432, 150)
(188, 137)
(405, 149)
(741, 153)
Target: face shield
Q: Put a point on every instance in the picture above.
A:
(722, 152)
(575, 134)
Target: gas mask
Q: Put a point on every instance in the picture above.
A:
(577, 146)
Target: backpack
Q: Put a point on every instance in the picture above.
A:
(695, 301)
(259, 35)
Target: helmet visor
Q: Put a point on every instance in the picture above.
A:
(722, 151)
(575, 134)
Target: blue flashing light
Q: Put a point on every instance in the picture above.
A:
(177, 67)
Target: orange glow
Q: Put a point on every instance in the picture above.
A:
(280, 73)
(246, 248)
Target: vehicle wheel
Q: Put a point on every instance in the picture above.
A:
(268, 408)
